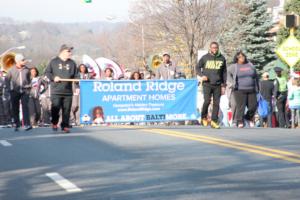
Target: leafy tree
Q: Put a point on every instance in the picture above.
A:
(250, 32)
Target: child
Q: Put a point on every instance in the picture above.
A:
(294, 101)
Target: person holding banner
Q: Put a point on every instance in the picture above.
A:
(212, 70)
(61, 67)
(75, 108)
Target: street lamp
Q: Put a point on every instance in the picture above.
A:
(12, 48)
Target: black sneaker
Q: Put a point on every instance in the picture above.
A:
(16, 129)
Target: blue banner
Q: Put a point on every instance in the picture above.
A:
(137, 101)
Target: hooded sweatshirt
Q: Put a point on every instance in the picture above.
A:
(214, 67)
(65, 70)
(19, 79)
(294, 97)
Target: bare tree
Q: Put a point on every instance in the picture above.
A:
(182, 26)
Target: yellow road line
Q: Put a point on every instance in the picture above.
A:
(266, 152)
(237, 143)
(274, 153)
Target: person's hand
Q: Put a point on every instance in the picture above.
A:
(204, 78)
(56, 79)
(77, 90)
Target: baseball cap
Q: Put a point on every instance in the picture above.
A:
(278, 69)
(166, 54)
(65, 47)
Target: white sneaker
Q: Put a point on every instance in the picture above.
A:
(27, 128)
(251, 124)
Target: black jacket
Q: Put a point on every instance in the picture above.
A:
(214, 67)
(64, 69)
(266, 89)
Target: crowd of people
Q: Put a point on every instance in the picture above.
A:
(239, 85)
(230, 93)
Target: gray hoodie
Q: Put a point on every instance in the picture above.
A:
(166, 71)
(19, 79)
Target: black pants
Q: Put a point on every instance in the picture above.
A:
(282, 115)
(15, 104)
(46, 110)
(5, 111)
(64, 103)
(34, 110)
(243, 99)
(208, 92)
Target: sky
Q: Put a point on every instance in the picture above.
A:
(64, 11)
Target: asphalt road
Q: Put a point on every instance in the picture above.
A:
(125, 163)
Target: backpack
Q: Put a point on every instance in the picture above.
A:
(263, 107)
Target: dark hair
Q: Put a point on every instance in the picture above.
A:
(235, 58)
(86, 68)
(110, 69)
(36, 70)
(95, 111)
(132, 75)
(214, 43)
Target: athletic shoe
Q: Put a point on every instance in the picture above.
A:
(54, 127)
(214, 125)
(204, 122)
(241, 125)
(16, 129)
(27, 128)
(251, 124)
(66, 130)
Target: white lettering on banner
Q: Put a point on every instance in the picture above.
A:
(115, 118)
(154, 86)
(175, 116)
(165, 86)
(151, 97)
(109, 98)
(137, 109)
(138, 105)
(117, 87)
(132, 117)
(112, 118)
(162, 97)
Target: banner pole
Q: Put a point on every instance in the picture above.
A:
(69, 80)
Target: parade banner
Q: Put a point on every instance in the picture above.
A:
(137, 101)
